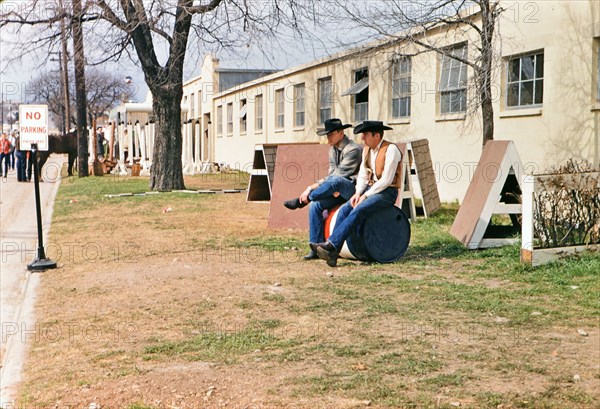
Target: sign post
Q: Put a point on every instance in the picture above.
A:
(33, 130)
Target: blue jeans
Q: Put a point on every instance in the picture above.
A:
(21, 166)
(350, 218)
(322, 198)
(5, 157)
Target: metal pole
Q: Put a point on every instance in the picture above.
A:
(41, 262)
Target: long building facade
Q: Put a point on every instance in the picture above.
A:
(545, 80)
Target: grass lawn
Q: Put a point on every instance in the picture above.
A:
(203, 307)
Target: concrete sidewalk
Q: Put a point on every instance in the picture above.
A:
(18, 244)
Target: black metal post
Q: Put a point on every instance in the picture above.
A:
(41, 262)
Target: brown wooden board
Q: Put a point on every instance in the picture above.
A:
(426, 175)
(498, 160)
(297, 166)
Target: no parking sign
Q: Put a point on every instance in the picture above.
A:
(33, 126)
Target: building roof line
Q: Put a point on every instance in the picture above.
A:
(370, 47)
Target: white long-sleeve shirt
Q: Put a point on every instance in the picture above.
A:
(392, 159)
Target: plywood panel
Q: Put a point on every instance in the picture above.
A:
(426, 175)
(297, 166)
(485, 176)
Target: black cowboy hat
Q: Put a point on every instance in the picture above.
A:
(331, 125)
(370, 126)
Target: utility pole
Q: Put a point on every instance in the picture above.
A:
(9, 116)
(65, 69)
(80, 94)
(65, 118)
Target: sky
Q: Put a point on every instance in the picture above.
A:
(287, 51)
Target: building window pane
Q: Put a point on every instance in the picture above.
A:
(299, 105)
(453, 81)
(230, 118)
(598, 69)
(192, 100)
(220, 120)
(258, 101)
(361, 100)
(525, 81)
(279, 109)
(325, 99)
(243, 115)
(401, 77)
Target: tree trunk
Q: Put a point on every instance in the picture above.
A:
(167, 170)
(80, 95)
(487, 109)
(488, 22)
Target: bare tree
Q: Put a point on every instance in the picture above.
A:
(409, 23)
(104, 91)
(48, 16)
(166, 25)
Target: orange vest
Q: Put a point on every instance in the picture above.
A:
(380, 163)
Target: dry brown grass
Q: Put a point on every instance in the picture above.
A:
(201, 307)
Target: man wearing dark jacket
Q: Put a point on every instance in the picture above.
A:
(337, 187)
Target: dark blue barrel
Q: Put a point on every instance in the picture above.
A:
(383, 237)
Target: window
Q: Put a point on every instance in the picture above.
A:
(525, 82)
(243, 115)
(279, 109)
(453, 81)
(361, 95)
(325, 97)
(299, 105)
(192, 106)
(258, 101)
(401, 77)
(230, 118)
(220, 120)
(598, 68)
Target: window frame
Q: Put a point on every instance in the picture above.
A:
(299, 105)
(534, 80)
(220, 120)
(229, 118)
(358, 107)
(258, 109)
(321, 106)
(279, 109)
(192, 106)
(402, 95)
(244, 118)
(597, 42)
(453, 90)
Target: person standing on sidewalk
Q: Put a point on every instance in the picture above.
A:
(13, 144)
(21, 161)
(4, 154)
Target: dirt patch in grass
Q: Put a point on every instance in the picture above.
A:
(201, 307)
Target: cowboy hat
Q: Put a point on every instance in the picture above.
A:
(331, 125)
(370, 126)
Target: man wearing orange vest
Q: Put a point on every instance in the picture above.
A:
(376, 188)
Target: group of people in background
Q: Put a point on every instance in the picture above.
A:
(9, 150)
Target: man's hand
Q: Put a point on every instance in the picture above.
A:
(356, 199)
(304, 195)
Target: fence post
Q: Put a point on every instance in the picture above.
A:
(527, 188)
